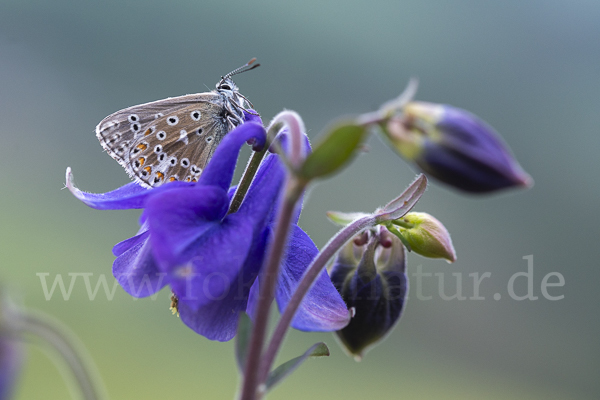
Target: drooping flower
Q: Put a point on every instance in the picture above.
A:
(455, 147)
(209, 258)
(370, 273)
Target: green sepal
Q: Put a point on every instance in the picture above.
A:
(242, 339)
(426, 234)
(403, 203)
(333, 152)
(398, 234)
(285, 369)
(342, 218)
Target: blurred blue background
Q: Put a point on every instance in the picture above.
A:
(531, 69)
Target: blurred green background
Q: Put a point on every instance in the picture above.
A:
(531, 69)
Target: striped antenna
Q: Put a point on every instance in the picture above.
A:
(246, 67)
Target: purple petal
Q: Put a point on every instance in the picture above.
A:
(209, 267)
(253, 299)
(220, 168)
(125, 245)
(215, 321)
(231, 192)
(129, 196)
(322, 308)
(283, 139)
(259, 203)
(126, 197)
(180, 216)
(135, 268)
(252, 118)
(218, 319)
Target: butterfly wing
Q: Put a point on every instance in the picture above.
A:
(165, 140)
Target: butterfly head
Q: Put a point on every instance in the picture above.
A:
(226, 86)
(235, 102)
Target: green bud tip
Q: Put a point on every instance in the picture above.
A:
(426, 236)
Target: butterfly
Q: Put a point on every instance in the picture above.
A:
(173, 139)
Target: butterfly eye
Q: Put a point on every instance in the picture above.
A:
(225, 87)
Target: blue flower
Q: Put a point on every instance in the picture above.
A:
(455, 147)
(209, 258)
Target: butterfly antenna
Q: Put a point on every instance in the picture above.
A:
(246, 67)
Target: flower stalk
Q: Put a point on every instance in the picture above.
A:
(247, 178)
(268, 278)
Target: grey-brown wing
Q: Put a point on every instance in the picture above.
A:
(179, 146)
(125, 130)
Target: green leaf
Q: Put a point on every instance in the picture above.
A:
(285, 369)
(242, 339)
(333, 152)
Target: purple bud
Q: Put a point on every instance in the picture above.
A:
(455, 147)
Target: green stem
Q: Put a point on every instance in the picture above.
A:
(252, 168)
(309, 277)
(268, 281)
(247, 178)
(400, 222)
(268, 276)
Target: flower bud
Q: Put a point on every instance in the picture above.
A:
(455, 147)
(425, 235)
(371, 279)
